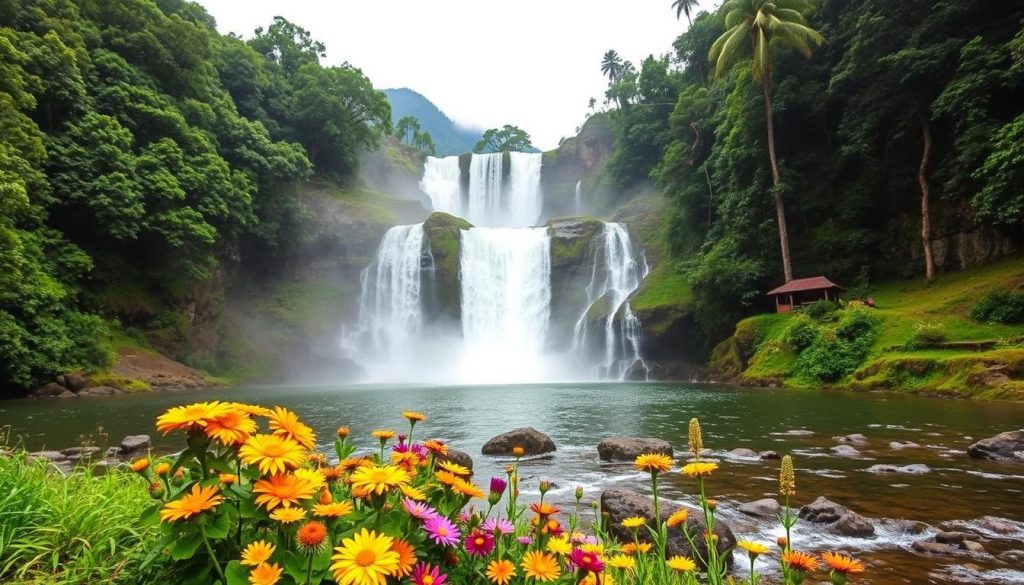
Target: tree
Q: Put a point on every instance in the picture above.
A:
(407, 128)
(423, 141)
(611, 65)
(507, 138)
(684, 7)
(779, 24)
(288, 45)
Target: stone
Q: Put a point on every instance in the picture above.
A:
(1008, 445)
(67, 394)
(72, 451)
(103, 467)
(897, 445)
(135, 443)
(822, 511)
(101, 391)
(996, 525)
(933, 548)
(628, 448)
(1012, 556)
(48, 390)
(75, 381)
(913, 469)
(530, 439)
(853, 524)
(704, 453)
(743, 453)
(61, 467)
(855, 438)
(47, 456)
(845, 451)
(766, 508)
(459, 457)
(974, 547)
(769, 455)
(953, 537)
(619, 504)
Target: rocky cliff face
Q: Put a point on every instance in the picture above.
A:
(442, 292)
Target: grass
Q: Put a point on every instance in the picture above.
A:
(663, 286)
(68, 530)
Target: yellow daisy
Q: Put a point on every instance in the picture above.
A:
(257, 553)
(366, 558)
(285, 423)
(272, 453)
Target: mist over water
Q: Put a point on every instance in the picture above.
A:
(505, 283)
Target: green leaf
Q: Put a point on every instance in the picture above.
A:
(221, 524)
(185, 547)
(236, 574)
(150, 515)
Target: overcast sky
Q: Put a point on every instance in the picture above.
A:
(532, 63)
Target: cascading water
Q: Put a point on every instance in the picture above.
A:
(484, 205)
(441, 182)
(618, 269)
(524, 199)
(506, 303)
(579, 197)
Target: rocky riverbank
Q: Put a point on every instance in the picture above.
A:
(133, 370)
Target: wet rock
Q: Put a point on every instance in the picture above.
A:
(743, 453)
(47, 456)
(845, 451)
(913, 469)
(766, 508)
(799, 433)
(101, 391)
(72, 451)
(75, 381)
(1012, 556)
(822, 511)
(104, 466)
(704, 460)
(768, 455)
(972, 546)
(855, 438)
(934, 548)
(531, 440)
(953, 537)
(459, 457)
(1008, 445)
(898, 445)
(628, 448)
(620, 504)
(133, 444)
(62, 467)
(703, 454)
(996, 525)
(112, 452)
(48, 390)
(853, 524)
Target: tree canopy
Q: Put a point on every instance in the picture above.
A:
(504, 139)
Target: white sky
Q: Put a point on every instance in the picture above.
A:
(532, 63)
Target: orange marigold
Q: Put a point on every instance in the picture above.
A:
(842, 563)
(192, 416)
(199, 500)
(285, 423)
(282, 489)
(231, 428)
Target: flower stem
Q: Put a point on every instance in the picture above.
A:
(213, 557)
(309, 570)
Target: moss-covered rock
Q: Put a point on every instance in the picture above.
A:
(572, 259)
(442, 290)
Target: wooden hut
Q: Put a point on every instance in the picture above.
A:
(804, 291)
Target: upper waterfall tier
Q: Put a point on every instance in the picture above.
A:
(496, 190)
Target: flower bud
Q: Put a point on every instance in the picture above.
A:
(579, 493)
(696, 439)
(518, 452)
(498, 486)
(544, 486)
(782, 542)
(156, 490)
(343, 432)
(787, 477)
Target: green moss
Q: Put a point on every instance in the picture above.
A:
(126, 384)
(443, 233)
(663, 287)
(572, 239)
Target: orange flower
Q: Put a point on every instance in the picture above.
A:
(333, 510)
(678, 517)
(193, 416)
(653, 463)
(265, 574)
(446, 477)
(467, 489)
(311, 537)
(282, 489)
(518, 451)
(632, 548)
(501, 572)
(407, 460)
(140, 465)
(228, 478)
(198, 501)
(414, 417)
(383, 434)
(162, 468)
(231, 428)
(285, 423)
(800, 561)
(343, 432)
(437, 447)
(543, 509)
(540, 566)
(273, 454)
(354, 463)
(406, 557)
(842, 564)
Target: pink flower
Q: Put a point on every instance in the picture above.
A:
(442, 531)
(524, 540)
(586, 561)
(479, 544)
(424, 574)
(418, 510)
(498, 486)
(501, 525)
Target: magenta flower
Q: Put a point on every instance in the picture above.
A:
(524, 540)
(442, 531)
(479, 544)
(498, 486)
(501, 525)
(418, 510)
(424, 574)
(586, 561)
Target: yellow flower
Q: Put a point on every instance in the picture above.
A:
(787, 477)
(383, 434)
(455, 468)
(699, 469)
(228, 478)
(231, 428)
(364, 559)
(633, 548)
(467, 489)
(414, 417)
(193, 416)
(282, 489)
(333, 510)
(199, 500)
(594, 549)
(754, 549)
(678, 517)
(273, 454)
(288, 515)
(446, 477)
(265, 574)
(285, 423)
(378, 479)
(501, 572)
(653, 463)
(696, 438)
(140, 465)
(634, 522)
(559, 546)
(681, 564)
(250, 409)
(315, 477)
(257, 553)
(622, 562)
(540, 566)
(413, 493)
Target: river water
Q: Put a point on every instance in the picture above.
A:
(903, 507)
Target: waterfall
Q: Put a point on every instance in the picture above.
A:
(493, 200)
(390, 313)
(441, 182)
(506, 302)
(579, 197)
(617, 271)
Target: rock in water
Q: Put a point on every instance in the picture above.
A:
(842, 519)
(766, 508)
(845, 451)
(133, 444)
(1008, 445)
(629, 448)
(853, 524)
(620, 504)
(530, 439)
(459, 457)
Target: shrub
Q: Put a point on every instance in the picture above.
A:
(926, 334)
(821, 310)
(800, 334)
(837, 352)
(1000, 306)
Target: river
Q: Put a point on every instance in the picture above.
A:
(903, 507)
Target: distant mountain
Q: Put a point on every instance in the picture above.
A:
(448, 137)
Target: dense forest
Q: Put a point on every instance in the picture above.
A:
(879, 108)
(140, 148)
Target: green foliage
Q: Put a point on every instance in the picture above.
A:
(505, 139)
(926, 334)
(1000, 306)
(837, 351)
(801, 333)
(821, 310)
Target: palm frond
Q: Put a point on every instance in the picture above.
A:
(727, 48)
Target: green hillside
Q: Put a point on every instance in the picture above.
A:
(448, 137)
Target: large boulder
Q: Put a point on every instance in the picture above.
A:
(840, 518)
(135, 444)
(48, 390)
(1008, 445)
(459, 457)
(619, 504)
(766, 508)
(629, 448)
(530, 439)
(75, 381)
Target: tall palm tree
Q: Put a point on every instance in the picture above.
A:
(768, 24)
(611, 65)
(684, 7)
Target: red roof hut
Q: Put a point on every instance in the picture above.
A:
(804, 291)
